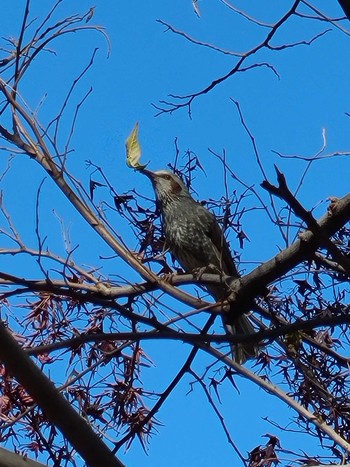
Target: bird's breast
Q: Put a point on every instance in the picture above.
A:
(186, 237)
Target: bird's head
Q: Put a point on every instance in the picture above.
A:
(167, 186)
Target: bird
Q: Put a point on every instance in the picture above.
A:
(195, 239)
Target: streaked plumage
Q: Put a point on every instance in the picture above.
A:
(196, 240)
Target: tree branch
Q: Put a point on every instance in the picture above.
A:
(278, 392)
(283, 192)
(54, 405)
(200, 338)
(252, 284)
(12, 459)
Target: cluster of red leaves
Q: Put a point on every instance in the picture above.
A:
(118, 408)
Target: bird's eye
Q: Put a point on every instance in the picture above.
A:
(167, 177)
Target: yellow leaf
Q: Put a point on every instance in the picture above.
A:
(133, 149)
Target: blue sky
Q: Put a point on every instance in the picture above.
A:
(146, 64)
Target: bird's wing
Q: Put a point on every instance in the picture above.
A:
(219, 241)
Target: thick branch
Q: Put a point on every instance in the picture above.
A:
(251, 285)
(11, 459)
(54, 405)
(283, 192)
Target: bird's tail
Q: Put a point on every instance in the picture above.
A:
(242, 326)
(242, 352)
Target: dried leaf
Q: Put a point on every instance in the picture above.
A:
(133, 149)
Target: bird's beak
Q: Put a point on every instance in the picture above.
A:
(148, 174)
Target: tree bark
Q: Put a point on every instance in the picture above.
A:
(11, 459)
(56, 407)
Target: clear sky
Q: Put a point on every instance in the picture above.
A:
(147, 63)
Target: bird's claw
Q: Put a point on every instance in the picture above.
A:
(210, 268)
(168, 276)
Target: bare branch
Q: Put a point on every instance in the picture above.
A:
(185, 101)
(278, 392)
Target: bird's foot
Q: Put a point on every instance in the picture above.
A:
(168, 276)
(210, 268)
(198, 272)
